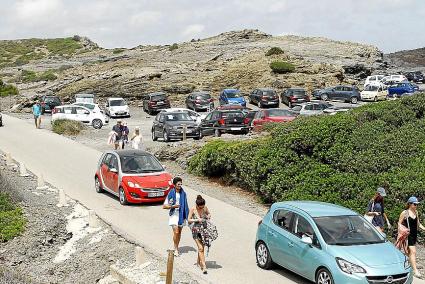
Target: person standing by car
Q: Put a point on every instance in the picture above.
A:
(375, 208)
(118, 129)
(36, 111)
(176, 203)
(125, 132)
(198, 215)
(409, 218)
(136, 138)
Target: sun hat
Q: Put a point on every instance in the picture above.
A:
(413, 199)
(381, 191)
(119, 120)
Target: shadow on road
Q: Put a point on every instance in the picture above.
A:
(212, 264)
(186, 249)
(290, 275)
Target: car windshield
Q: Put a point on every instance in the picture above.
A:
(52, 100)
(156, 98)
(140, 163)
(347, 230)
(233, 94)
(117, 103)
(182, 116)
(371, 88)
(269, 93)
(279, 112)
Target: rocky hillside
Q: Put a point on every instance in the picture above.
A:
(232, 59)
(409, 58)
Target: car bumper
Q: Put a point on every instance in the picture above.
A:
(159, 107)
(135, 195)
(120, 113)
(367, 97)
(211, 106)
(342, 277)
(179, 134)
(234, 129)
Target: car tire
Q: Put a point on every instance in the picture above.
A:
(375, 99)
(154, 138)
(263, 257)
(122, 197)
(217, 132)
(354, 100)
(323, 276)
(97, 185)
(324, 97)
(166, 136)
(97, 123)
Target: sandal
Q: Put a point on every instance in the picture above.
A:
(176, 253)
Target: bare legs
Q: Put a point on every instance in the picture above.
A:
(177, 233)
(412, 259)
(201, 255)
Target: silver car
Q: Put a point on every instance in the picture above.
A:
(316, 108)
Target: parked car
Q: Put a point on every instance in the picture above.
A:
(233, 107)
(117, 107)
(1, 120)
(416, 77)
(271, 115)
(313, 108)
(170, 125)
(48, 103)
(218, 122)
(79, 113)
(393, 79)
(154, 102)
(232, 97)
(91, 106)
(316, 93)
(373, 80)
(250, 117)
(197, 117)
(374, 93)
(85, 98)
(264, 97)
(134, 176)
(341, 93)
(327, 243)
(402, 89)
(293, 96)
(199, 101)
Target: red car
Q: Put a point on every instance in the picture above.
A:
(134, 176)
(271, 115)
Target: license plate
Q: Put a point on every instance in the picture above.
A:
(236, 128)
(160, 103)
(155, 194)
(189, 131)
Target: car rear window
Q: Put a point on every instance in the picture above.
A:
(203, 97)
(232, 114)
(298, 93)
(269, 93)
(158, 98)
(233, 94)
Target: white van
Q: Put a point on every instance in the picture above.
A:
(84, 98)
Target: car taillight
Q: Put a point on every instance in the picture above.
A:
(221, 121)
(246, 120)
(264, 97)
(152, 103)
(210, 100)
(307, 98)
(292, 98)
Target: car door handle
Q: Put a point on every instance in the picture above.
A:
(273, 234)
(291, 244)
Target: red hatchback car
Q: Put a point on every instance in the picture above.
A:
(134, 176)
(271, 115)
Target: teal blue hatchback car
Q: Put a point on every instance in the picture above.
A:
(328, 244)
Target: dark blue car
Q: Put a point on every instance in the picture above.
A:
(402, 89)
(232, 97)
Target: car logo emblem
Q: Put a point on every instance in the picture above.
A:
(389, 279)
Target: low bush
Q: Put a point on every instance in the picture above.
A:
(7, 90)
(118, 50)
(340, 159)
(12, 221)
(67, 127)
(31, 76)
(274, 51)
(172, 47)
(282, 67)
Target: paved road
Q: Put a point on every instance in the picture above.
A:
(70, 166)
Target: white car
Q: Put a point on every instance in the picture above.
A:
(316, 108)
(79, 113)
(393, 79)
(91, 106)
(116, 107)
(372, 80)
(374, 93)
(193, 114)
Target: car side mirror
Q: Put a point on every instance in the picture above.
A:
(307, 240)
(86, 112)
(113, 170)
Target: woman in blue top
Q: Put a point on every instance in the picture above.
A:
(36, 111)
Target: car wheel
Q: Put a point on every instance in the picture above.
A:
(97, 123)
(217, 133)
(97, 185)
(323, 276)
(154, 138)
(375, 99)
(324, 97)
(123, 199)
(262, 255)
(165, 136)
(354, 100)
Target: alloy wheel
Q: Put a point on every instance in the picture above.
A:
(153, 135)
(324, 97)
(97, 123)
(123, 199)
(166, 138)
(324, 277)
(353, 100)
(262, 254)
(97, 185)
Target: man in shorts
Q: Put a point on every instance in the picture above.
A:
(36, 111)
(118, 129)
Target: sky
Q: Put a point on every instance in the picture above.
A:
(391, 25)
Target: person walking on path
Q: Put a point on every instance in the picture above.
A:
(118, 129)
(409, 218)
(176, 203)
(198, 215)
(36, 111)
(375, 208)
(125, 132)
(136, 138)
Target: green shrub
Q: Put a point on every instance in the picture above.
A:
(31, 76)
(7, 90)
(172, 47)
(67, 127)
(340, 159)
(118, 50)
(12, 221)
(282, 67)
(274, 51)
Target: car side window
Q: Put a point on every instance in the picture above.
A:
(157, 117)
(303, 227)
(208, 117)
(161, 117)
(283, 218)
(106, 159)
(215, 115)
(80, 110)
(308, 107)
(113, 163)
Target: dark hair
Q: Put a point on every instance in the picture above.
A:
(176, 180)
(200, 201)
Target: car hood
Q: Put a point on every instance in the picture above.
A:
(373, 255)
(119, 107)
(151, 180)
(179, 123)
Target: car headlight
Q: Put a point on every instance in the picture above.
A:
(134, 185)
(406, 263)
(349, 267)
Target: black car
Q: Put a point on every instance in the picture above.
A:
(199, 101)
(264, 97)
(341, 93)
(170, 126)
(48, 103)
(218, 122)
(154, 102)
(294, 96)
(416, 77)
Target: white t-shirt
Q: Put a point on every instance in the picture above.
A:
(174, 219)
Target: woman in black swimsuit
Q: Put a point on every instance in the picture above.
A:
(410, 219)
